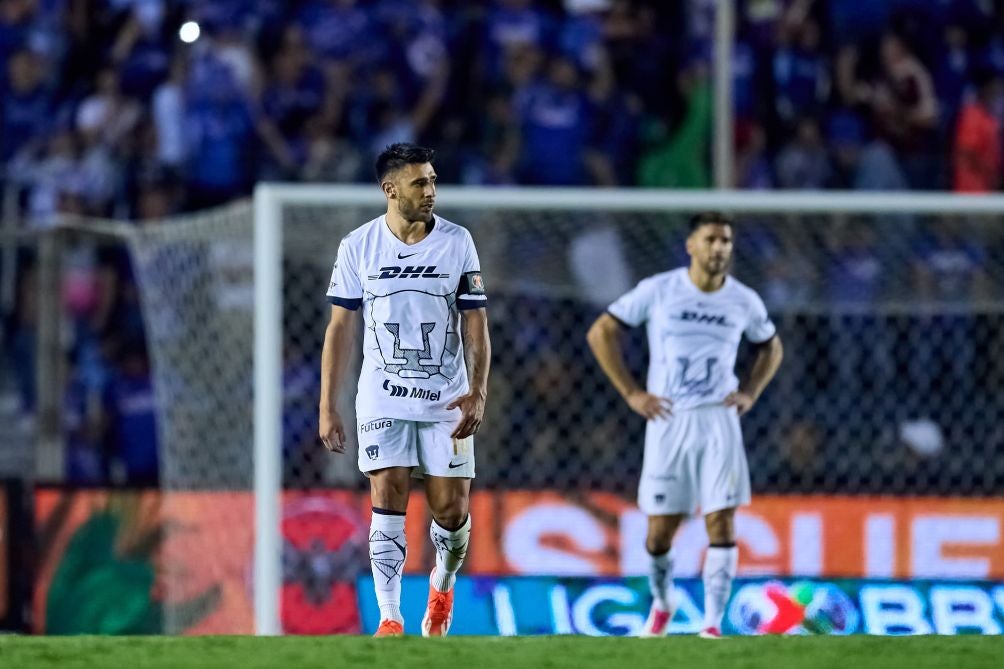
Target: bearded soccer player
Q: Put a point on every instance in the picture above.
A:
(421, 393)
(695, 318)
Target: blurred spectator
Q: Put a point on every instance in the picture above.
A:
(804, 163)
(854, 282)
(581, 36)
(949, 272)
(142, 51)
(130, 406)
(168, 111)
(906, 111)
(107, 117)
(950, 266)
(802, 460)
(337, 29)
(976, 156)
(682, 160)
(556, 122)
(615, 128)
(752, 163)
(510, 26)
(856, 272)
(27, 103)
(952, 72)
(852, 21)
(15, 17)
(860, 163)
(51, 174)
(221, 126)
(294, 99)
(801, 74)
(83, 424)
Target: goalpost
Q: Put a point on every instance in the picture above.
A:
(552, 259)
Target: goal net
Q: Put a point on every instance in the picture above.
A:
(889, 307)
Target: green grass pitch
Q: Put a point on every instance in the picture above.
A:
(859, 652)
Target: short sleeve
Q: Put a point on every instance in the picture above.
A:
(760, 327)
(345, 290)
(471, 290)
(633, 308)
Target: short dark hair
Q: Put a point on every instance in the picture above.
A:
(709, 218)
(396, 156)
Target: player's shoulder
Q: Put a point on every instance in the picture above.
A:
(364, 231)
(452, 230)
(664, 280)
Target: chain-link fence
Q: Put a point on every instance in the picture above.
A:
(891, 324)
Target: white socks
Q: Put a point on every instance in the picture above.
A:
(451, 549)
(388, 551)
(660, 581)
(719, 569)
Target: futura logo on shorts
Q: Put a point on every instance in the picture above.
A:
(376, 425)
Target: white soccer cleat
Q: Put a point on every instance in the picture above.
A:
(657, 624)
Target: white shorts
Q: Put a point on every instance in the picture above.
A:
(694, 459)
(426, 447)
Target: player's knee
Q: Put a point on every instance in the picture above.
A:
(658, 542)
(721, 527)
(451, 515)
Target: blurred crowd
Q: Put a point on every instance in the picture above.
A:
(141, 109)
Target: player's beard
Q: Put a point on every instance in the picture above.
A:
(414, 213)
(716, 267)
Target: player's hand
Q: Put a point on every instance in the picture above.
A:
(743, 402)
(472, 410)
(650, 406)
(331, 431)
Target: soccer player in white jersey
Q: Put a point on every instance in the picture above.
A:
(417, 280)
(695, 318)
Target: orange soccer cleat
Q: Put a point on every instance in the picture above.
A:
(657, 624)
(439, 612)
(390, 628)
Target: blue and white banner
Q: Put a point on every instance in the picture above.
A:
(543, 605)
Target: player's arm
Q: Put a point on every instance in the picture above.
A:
(338, 339)
(768, 358)
(604, 338)
(477, 355)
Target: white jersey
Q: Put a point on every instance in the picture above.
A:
(413, 353)
(693, 336)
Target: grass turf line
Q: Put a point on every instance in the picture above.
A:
(858, 652)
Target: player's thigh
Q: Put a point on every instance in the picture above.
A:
(390, 488)
(668, 484)
(724, 473)
(386, 442)
(439, 454)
